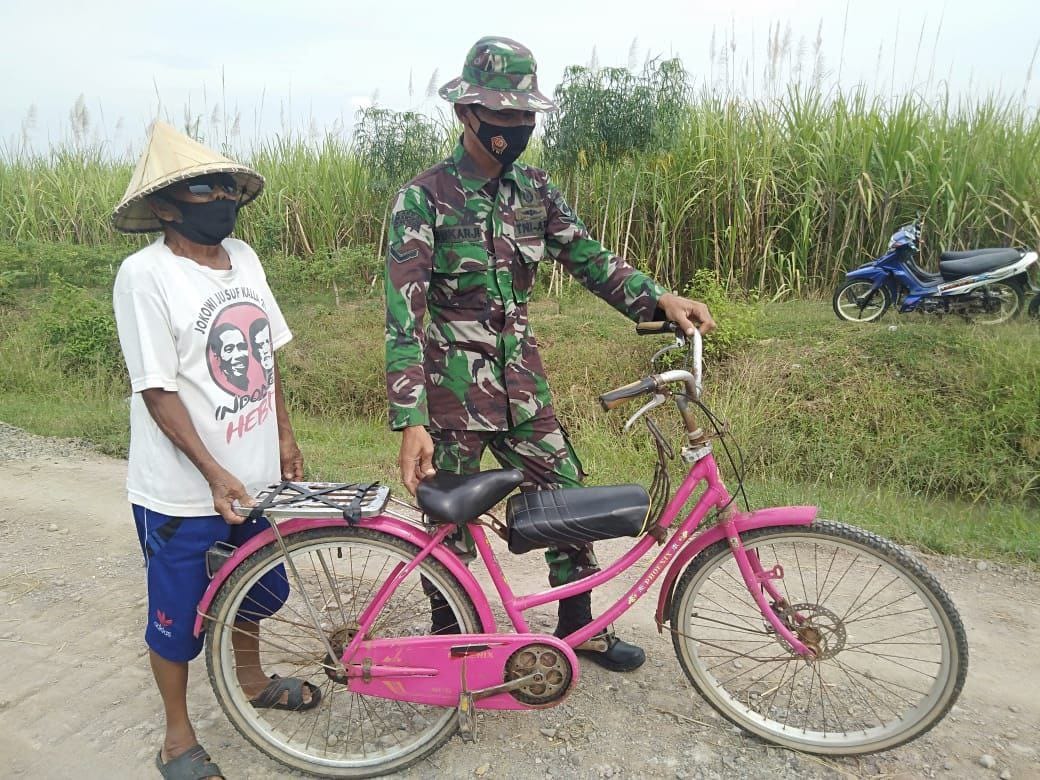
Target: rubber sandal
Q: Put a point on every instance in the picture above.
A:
(270, 697)
(193, 764)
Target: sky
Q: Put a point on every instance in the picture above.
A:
(308, 65)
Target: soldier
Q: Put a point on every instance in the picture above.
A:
(463, 369)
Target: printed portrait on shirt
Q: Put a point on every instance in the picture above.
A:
(262, 348)
(240, 351)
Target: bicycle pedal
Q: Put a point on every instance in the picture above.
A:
(467, 718)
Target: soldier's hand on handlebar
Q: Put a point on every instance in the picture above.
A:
(687, 314)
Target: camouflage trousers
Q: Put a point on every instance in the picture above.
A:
(541, 450)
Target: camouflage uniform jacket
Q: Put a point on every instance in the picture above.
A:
(461, 264)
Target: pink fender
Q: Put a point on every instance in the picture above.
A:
(742, 522)
(388, 525)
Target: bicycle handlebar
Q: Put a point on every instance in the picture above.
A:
(656, 328)
(621, 394)
(653, 383)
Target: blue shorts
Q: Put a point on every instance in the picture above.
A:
(175, 558)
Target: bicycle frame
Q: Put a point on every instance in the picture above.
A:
(676, 553)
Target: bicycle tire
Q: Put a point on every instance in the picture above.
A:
(264, 727)
(758, 711)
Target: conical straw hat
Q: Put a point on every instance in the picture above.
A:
(171, 157)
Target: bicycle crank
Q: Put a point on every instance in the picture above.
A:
(548, 671)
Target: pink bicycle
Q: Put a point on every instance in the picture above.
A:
(811, 634)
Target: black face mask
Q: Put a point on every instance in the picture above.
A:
(504, 143)
(205, 223)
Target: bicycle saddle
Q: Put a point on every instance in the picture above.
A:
(451, 498)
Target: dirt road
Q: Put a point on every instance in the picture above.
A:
(77, 699)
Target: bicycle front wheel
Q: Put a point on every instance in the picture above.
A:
(891, 651)
(341, 569)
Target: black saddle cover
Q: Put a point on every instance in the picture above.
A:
(543, 518)
(451, 498)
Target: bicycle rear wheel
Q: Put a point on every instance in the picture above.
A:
(346, 735)
(892, 653)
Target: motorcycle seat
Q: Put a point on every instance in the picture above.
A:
(451, 498)
(978, 264)
(966, 253)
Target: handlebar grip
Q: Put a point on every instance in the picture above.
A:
(655, 328)
(617, 396)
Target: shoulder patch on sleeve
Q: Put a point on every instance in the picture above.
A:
(566, 212)
(408, 219)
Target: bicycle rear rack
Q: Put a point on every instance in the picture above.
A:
(319, 500)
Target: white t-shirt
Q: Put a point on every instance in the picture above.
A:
(210, 336)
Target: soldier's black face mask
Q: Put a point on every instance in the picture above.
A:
(505, 143)
(205, 223)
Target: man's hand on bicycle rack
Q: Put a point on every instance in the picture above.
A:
(227, 492)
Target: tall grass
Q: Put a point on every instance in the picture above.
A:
(779, 193)
(789, 193)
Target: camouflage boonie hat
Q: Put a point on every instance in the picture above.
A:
(499, 73)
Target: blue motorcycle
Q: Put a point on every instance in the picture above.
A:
(986, 286)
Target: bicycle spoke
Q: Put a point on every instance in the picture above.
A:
(889, 614)
(747, 618)
(871, 598)
(895, 659)
(740, 657)
(826, 599)
(862, 591)
(827, 576)
(730, 626)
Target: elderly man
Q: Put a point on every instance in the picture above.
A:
(463, 370)
(183, 307)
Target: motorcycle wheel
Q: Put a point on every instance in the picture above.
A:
(1012, 301)
(851, 305)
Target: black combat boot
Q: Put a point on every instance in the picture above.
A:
(604, 648)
